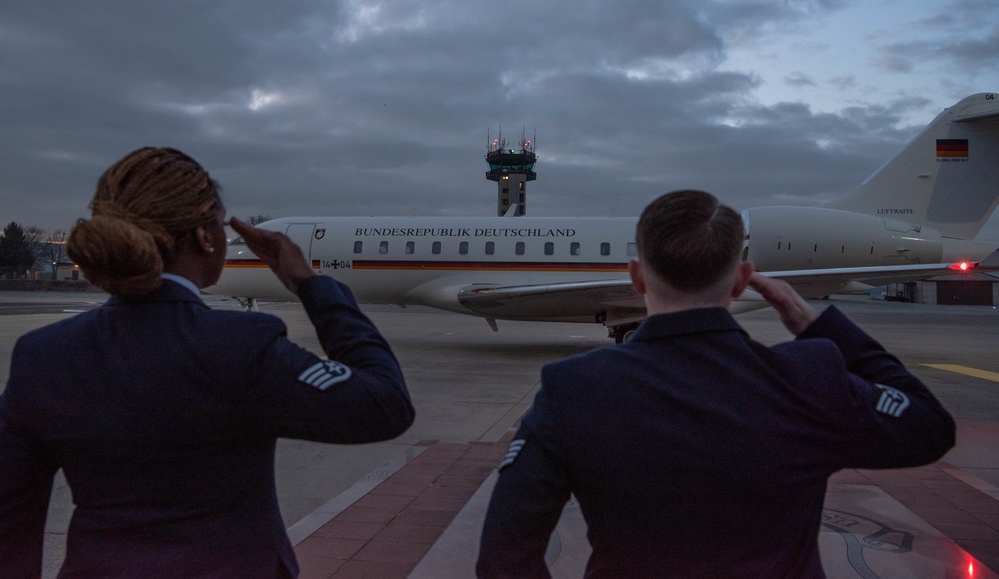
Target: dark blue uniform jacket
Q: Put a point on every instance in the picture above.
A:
(163, 414)
(696, 452)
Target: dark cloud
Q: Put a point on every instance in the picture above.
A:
(959, 39)
(355, 108)
(800, 79)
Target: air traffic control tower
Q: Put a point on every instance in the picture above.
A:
(511, 169)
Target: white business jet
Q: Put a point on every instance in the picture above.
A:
(914, 218)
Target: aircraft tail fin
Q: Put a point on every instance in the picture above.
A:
(947, 178)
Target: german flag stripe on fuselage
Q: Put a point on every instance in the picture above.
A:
(402, 265)
(256, 263)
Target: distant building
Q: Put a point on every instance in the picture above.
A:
(511, 168)
(967, 289)
(67, 270)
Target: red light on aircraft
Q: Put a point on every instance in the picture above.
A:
(963, 266)
(971, 566)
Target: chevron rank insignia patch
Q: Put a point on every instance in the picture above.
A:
(511, 454)
(324, 374)
(892, 401)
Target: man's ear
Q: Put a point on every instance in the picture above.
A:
(637, 278)
(742, 274)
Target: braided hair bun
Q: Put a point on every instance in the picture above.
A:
(144, 204)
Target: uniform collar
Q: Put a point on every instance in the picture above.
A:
(693, 321)
(184, 282)
(173, 289)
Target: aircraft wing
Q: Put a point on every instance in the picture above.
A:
(552, 300)
(812, 283)
(598, 297)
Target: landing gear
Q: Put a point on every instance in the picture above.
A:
(249, 304)
(623, 332)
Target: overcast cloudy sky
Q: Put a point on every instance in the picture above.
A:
(366, 107)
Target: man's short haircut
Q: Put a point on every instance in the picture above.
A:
(689, 239)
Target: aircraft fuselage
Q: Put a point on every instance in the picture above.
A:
(431, 261)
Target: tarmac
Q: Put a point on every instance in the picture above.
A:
(413, 507)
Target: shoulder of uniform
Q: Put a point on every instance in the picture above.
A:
(587, 364)
(256, 322)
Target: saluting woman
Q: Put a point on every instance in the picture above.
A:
(163, 413)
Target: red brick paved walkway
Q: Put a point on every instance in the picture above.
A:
(387, 532)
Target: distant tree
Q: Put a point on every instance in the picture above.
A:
(15, 251)
(36, 240)
(49, 249)
(258, 219)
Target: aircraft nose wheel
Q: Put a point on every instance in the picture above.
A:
(623, 332)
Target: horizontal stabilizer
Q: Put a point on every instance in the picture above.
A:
(981, 113)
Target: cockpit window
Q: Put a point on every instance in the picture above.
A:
(238, 241)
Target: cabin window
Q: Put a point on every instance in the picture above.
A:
(410, 247)
(383, 247)
(519, 248)
(632, 249)
(463, 248)
(490, 247)
(605, 248)
(574, 248)
(358, 246)
(436, 248)
(549, 248)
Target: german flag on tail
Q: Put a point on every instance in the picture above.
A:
(952, 148)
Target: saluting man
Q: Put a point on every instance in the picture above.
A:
(693, 450)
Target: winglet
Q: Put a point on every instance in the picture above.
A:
(991, 262)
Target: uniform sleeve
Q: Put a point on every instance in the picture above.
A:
(356, 395)
(891, 419)
(26, 474)
(531, 490)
